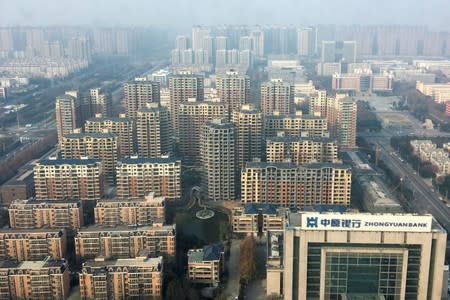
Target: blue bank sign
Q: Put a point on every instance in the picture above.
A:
(366, 222)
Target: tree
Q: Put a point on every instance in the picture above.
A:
(248, 259)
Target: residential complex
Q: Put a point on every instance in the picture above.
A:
(148, 210)
(217, 151)
(138, 94)
(153, 131)
(52, 214)
(181, 88)
(192, 117)
(102, 146)
(67, 115)
(121, 126)
(60, 179)
(301, 150)
(277, 96)
(135, 278)
(101, 102)
(137, 177)
(296, 124)
(290, 185)
(439, 92)
(257, 219)
(248, 122)
(125, 241)
(42, 279)
(35, 244)
(206, 265)
(233, 89)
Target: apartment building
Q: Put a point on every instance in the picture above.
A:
(217, 146)
(43, 279)
(206, 265)
(277, 96)
(29, 214)
(36, 244)
(148, 210)
(296, 124)
(440, 92)
(138, 94)
(125, 241)
(60, 179)
(153, 131)
(130, 278)
(301, 150)
(192, 116)
(181, 88)
(101, 146)
(137, 177)
(248, 122)
(67, 115)
(257, 218)
(290, 185)
(121, 126)
(233, 89)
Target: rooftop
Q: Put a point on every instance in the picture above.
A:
(60, 161)
(97, 135)
(148, 160)
(254, 208)
(208, 253)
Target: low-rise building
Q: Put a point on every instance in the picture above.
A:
(130, 278)
(257, 219)
(45, 279)
(36, 244)
(125, 241)
(145, 211)
(29, 214)
(18, 187)
(206, 265)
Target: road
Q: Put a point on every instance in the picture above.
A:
(232, 266)
(425, 200)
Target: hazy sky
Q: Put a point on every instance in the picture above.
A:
(179, 13)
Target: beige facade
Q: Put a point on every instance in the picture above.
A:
(289, 185)
(301, 150)
(67, 115)
(192, 116)
(120, 126)
(31, 214)
(138, 94)
(145, 211)
(136, 278)
(37, 244)
(392, 262)
(102, 146)
(60, 179)
(257, 219)
(206, 265)
(153, 131)
(181, 88)
(277, 96)
(249, 134)
(217, 151)
(296, 124)
(26, 280)
(233, 89)
(137, 177)
(440, 92)
(125, 241)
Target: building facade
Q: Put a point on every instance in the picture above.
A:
(101, 146)
(296, 124)
(60, 179)
(206, 265)
(233, 89)
(153, 131)
(277, 96)
(192, 116)
(138, 94)
(125, 241)
(67, 115)
(146, 211)
(121, 126)
(137, 177)
(29, 214)
(43, 279)
(217, 146)
(136, 278)
(257, 219)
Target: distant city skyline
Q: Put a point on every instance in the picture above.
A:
(178, 14)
